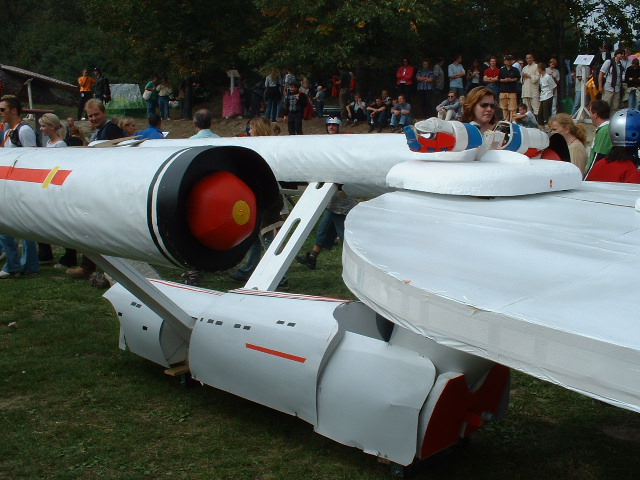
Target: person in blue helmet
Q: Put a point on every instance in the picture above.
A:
(621, 163)
(333, 125)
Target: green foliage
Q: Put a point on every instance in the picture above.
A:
(179, 39)
(131, 40)
(365, 33)
(49, 38)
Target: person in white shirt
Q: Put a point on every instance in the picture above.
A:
(547, 94)
(610, 80)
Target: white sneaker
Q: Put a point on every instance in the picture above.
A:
(4, 275)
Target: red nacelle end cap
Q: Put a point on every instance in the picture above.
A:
(221, 211)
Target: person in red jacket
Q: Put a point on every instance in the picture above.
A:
(621, 164)
(405, 78)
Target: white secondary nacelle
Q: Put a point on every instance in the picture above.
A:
(337, 365)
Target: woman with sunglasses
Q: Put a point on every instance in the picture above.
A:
(480, 108)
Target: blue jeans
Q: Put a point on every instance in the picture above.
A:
(254, 254)
(402, 119)
(152, 105)
(272, 108)
(330, 227)
(576, 101)
(379, 119)
(28, 263)
(163, 102)
(253, 257)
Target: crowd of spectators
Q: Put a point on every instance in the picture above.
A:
(428, 89)
(522, 90)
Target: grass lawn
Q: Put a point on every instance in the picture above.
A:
(74, 406)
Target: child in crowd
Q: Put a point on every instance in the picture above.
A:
(547, 94)
(525, 118)
(319, 98)
(356, 110)
(458, 115)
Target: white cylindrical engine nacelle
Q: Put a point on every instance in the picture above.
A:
(359, 162)
(197, 207)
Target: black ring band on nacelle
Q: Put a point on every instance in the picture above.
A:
(169, 194)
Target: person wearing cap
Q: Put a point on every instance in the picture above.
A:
(294, 105)
(509, 78)
(621, 163)
(103, 90)
(331, 226)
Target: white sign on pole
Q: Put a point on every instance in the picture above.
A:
(583, 60)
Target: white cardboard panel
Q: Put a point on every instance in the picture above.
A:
(544, 283)
(266, 349)
(504, 174)
(370, 397)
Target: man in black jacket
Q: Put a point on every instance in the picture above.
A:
(105, 129)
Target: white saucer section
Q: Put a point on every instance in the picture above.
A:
(546, 284)
(498, 174)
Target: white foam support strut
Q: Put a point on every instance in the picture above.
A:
(137, 284)
(291, 236)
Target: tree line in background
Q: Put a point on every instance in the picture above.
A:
(131, 40)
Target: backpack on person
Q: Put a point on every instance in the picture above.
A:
(599, 61)
(15, 135)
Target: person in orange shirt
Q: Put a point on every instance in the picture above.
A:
(86, 83)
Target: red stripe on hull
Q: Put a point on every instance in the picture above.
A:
(276, 353)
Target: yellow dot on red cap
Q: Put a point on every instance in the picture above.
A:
(241, 212)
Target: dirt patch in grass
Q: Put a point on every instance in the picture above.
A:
(622, 432)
